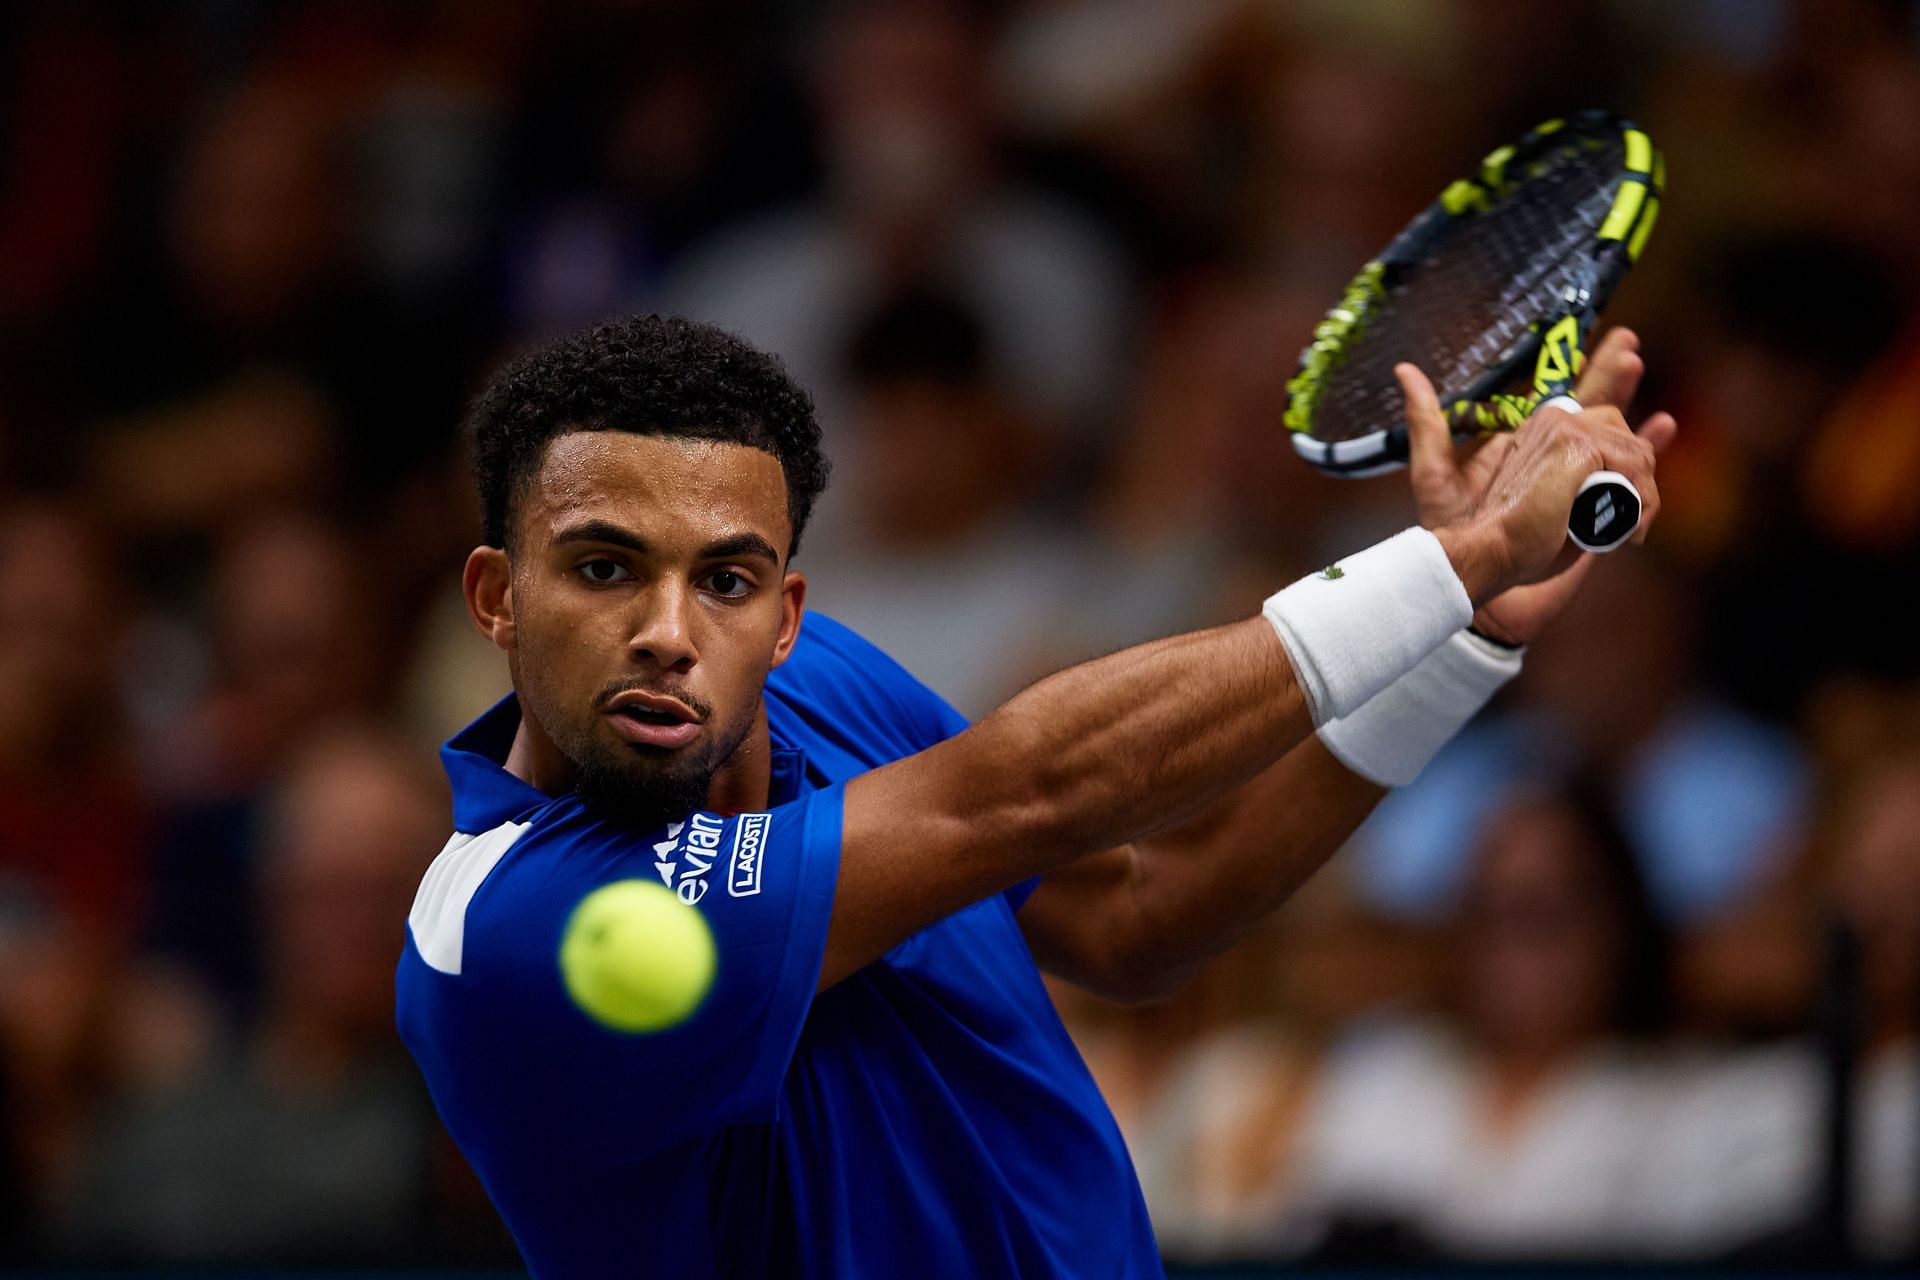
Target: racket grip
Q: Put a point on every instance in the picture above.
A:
(1606, 510)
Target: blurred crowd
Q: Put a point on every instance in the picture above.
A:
(1632, 972)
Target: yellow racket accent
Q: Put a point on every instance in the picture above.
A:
(1645, 229)
(1329, 343)
(1462, 196)
(1559, 354)
(1639, 151)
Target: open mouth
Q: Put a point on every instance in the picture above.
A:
(647, 715)
(648, 720)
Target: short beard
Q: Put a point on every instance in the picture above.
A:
(641, 800)
(645, 788)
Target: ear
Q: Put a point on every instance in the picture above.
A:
(793, 599)
(488, 584)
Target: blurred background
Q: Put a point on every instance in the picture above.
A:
(1631, 974)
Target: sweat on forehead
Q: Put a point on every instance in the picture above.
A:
(702, 488)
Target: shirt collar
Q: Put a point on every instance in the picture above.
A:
(484, 793)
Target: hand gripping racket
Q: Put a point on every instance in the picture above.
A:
(1507, 269)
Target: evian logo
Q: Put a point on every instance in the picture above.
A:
(699, 839)
(749, 848)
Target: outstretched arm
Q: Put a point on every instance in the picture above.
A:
(1135, 921)
(1098, 755)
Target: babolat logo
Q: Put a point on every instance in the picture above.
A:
(1603, 514)
(749, 847)
(699, 839)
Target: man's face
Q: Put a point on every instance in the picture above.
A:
(649, 601)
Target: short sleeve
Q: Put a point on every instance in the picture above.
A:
(764, 883)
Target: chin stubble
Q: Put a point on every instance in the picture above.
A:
(648, 788)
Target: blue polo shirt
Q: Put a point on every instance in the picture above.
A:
(927, 1116)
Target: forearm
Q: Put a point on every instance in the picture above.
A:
(1084, 759)
(1146, 737)
(1135, 921)
(1138, 922)
(1206, 882)
(1110, 750)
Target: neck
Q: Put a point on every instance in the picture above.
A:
(743, 783)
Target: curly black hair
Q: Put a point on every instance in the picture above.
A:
(652, 375)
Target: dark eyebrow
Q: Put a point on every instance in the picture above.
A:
(740, 544)
(728, 548)
(602, 531)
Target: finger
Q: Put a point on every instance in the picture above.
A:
(1659, 431)
(1637, 465)
(1629, 454)
(1429, 442)
(1604, 418)
(1612, 373)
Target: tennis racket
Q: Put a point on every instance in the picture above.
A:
(1504, 274)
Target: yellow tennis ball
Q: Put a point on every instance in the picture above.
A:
(635, 958)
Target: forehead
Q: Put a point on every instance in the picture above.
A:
(658, 486)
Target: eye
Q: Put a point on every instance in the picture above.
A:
(728, 583)
(604, 572)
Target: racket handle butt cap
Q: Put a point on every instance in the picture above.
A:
(1606, 511)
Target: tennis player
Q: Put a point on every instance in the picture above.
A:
(877, 1084)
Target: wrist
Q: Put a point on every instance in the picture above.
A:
(1394, 736)
(1477, 560)
(1492, 632)
(1358, 625)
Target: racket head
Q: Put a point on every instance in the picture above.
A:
(1503, 274)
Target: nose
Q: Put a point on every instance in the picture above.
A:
(663, 632)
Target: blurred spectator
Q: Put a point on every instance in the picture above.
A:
(220, 402)
(292, 648)
(647, 127)
(1876, 884)
(1216, 1141)
(913, 190)
(1798, 321)
(73, 821)
(1773, 1108)
(1200, 477)
(944, 560)
(309, 1142)
(1524, 1126)
(1757, 1127)
(257, 369)
(1712, 798)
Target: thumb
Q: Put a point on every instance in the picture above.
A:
(1429, 440)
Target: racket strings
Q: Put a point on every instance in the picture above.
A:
(1443, 316)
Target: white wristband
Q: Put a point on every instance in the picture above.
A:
(1360, 624)
(1391, 738)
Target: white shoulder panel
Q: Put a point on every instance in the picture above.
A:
(439, 915)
